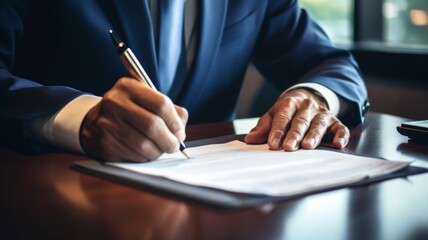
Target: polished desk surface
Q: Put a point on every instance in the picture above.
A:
(42, 198)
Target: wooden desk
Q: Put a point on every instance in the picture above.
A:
(42, 198)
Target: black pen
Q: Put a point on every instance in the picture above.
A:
(136, 70)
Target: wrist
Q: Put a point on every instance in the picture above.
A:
(305, 93)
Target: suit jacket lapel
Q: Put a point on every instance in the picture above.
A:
(136, 30)
(212, 19)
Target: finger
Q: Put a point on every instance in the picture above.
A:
(115, 151)
(320, 123)
(162, 106)
(141, 147)
(260, 132)
(154, 127)
(98, 142)
(184, 116)
(155, 102)
(299, 126)
(341, 136)
(282, 118)
(103, 138)
(111, 150)
(119, 107)
(166, 110)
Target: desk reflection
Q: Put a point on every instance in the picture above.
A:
(43, 198)
(145, 215)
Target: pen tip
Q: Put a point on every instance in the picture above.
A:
(184, 151)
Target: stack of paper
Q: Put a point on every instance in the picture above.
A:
(254, 169)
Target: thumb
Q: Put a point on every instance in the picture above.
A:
(260, 132)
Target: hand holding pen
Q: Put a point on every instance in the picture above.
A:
(136, 70)
(133, 121)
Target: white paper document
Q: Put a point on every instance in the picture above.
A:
(254, 169)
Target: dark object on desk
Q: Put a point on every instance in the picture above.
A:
(416, 130)
(208, 196)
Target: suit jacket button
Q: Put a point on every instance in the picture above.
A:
(365, 107)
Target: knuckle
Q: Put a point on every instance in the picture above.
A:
(302, 120)
(325, 118)
(102, 124)
(122, 83)
(336, 121)
(284, 116)
(296, 133)
(317, 132)
(109, 101)
(288, 101)
(337, 124)
(320, 125)
(183, 113)
(100, 127)
(323, 110)
(176, 127)
(109, 97)
(165, 105)
(344, 130)
(309, 103)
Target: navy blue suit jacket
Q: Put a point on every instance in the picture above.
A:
(53, 51)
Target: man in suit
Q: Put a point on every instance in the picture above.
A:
(62, 84)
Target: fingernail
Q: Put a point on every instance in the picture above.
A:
(311, 142)
(292, 143)
(275, 142)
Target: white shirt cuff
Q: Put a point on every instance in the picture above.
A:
(333, 102)
(62, 129)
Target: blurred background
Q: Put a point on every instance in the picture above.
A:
(404, 21)
(389, 39)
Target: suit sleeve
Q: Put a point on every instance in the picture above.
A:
(22, 100)
(292, 48)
